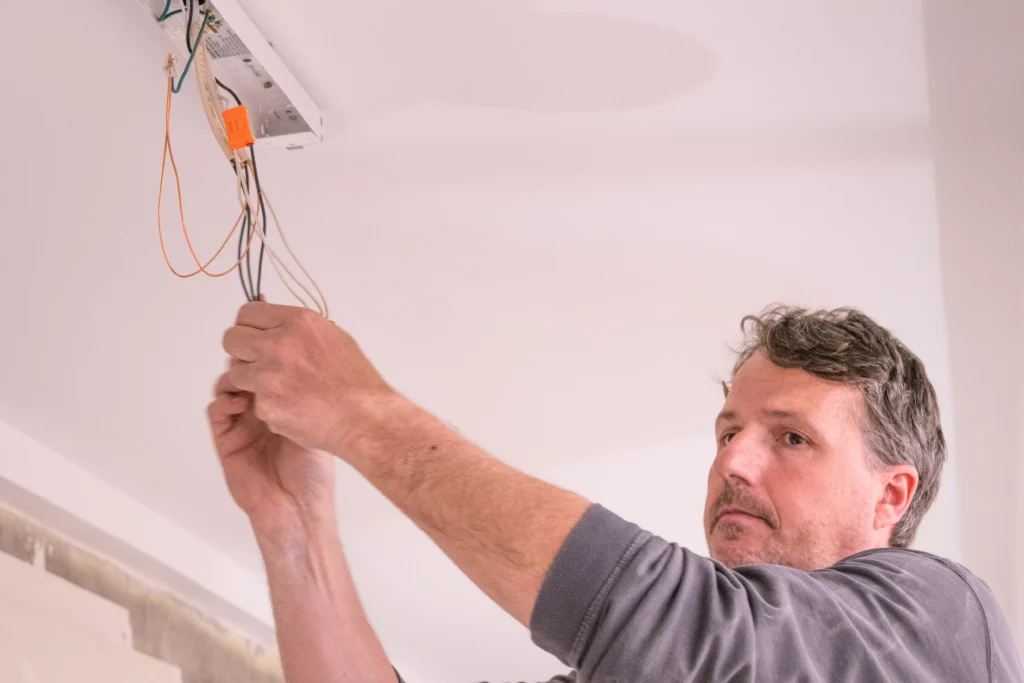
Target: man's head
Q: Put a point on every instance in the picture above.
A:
(829, 442)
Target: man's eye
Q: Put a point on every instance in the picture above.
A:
(726, 438)
(794, 439)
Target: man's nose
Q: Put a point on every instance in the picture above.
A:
(743, 458)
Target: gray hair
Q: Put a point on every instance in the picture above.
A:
(844, 345)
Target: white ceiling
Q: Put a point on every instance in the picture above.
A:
(544, 220)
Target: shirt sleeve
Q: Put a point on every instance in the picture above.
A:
(620, 604)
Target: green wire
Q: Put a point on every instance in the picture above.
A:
(192, 55)
(165, 15)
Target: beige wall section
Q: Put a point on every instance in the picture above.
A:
(69, 499)
(162, 626)
(29, 587)
(36, 648)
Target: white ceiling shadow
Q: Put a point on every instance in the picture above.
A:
(360, 61)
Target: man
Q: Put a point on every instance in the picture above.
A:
(829, 454)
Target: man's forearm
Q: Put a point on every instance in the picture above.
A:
(322, 631)
(502, 527)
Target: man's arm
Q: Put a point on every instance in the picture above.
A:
(501, 527)
(322, 630)
(313, 385)
(288, 494)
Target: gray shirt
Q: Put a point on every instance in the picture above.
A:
(620, 605)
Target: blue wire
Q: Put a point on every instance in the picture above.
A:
(192, 55)
(164, 15)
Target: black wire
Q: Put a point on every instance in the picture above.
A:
(242, 240)
(255, 291)
(263, 214)
(229, 91)
(188, 25)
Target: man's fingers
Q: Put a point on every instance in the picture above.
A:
(262, 316)
(223, 413)
(240, 378)
(224, 385)
(242, 343)
(226, 406)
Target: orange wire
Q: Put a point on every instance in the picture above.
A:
(168, 151)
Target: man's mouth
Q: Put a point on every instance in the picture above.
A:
(738, 514)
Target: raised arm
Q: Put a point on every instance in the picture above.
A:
(313, 384)
(501, 527)
(288, 493)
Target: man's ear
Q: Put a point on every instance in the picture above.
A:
(899, 487)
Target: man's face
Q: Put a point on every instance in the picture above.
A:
(791, 483)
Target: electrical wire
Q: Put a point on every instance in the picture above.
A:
(192, 50)
(169, 152)
(245, 198)
(211, 101)
(318, 301)
(262, 211)
(249, 222)
(229, 91)
(250, 287)
(253, 216)
(188, 24)
(242, 235)
(252, 290)
(321, 304)
(211, 98)
(166, 14)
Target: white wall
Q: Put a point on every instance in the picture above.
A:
(976, 75)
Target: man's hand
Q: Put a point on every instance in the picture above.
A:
(277, 483)
(288, 493)
(310, 381)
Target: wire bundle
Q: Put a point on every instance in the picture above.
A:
(253, 200)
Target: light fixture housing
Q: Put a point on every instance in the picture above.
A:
(282, 114)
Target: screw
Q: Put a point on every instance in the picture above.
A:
(247, 60)
(268, 84)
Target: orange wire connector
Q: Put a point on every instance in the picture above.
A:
(236, 124)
